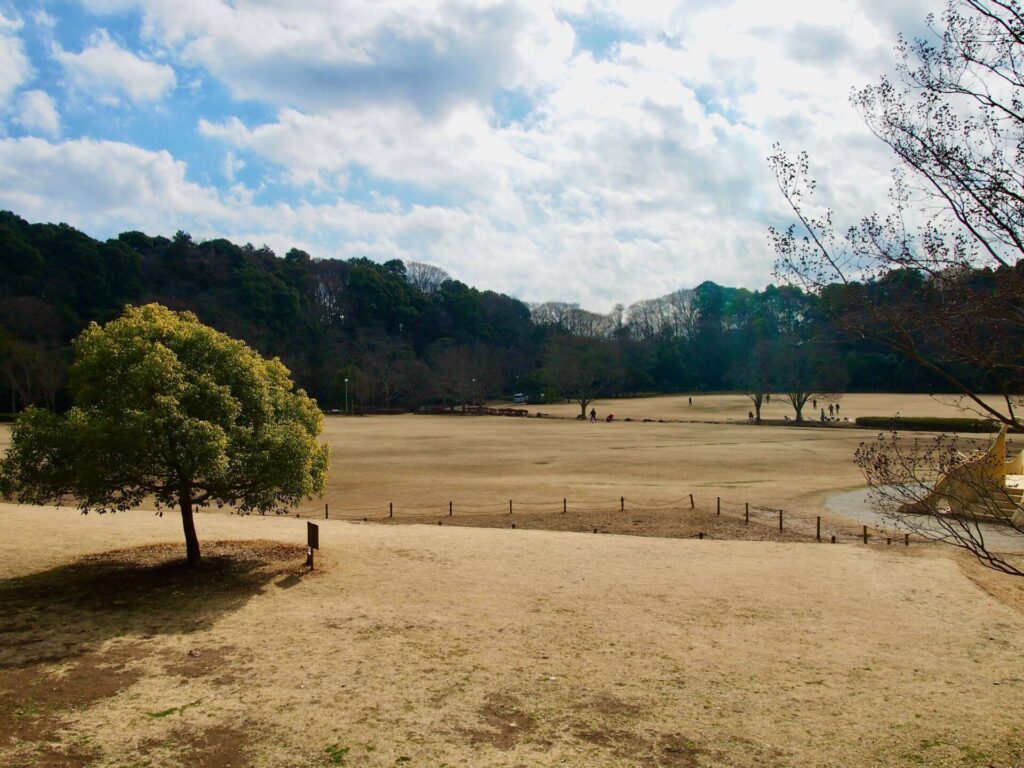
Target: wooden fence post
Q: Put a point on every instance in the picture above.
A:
(564, 506)
(449, 509)
(391, 509)
(622, 504)
(780, 521)
(865, 534)
(906, 539)
(746, 513)
(327, 512)
(718, 499)
(691, 501)
(510, 506)
(819, 528)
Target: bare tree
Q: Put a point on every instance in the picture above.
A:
(936, 490)
(804, 376)
(755, 375)
(574, 321)
(460, 374)
(673, 315)
(32, 374)
(426, 278)
(938, 279)
(581, 368)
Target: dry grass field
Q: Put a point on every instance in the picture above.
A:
(427, 461)
(735, 407)
(426, 645)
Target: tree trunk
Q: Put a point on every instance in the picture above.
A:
(757, 410)
(189, 524)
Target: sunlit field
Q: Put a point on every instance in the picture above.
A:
(428, 645)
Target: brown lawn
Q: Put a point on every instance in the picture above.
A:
(426, 645)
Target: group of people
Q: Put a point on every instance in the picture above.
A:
(833, 409)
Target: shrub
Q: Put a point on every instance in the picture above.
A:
(927, 423)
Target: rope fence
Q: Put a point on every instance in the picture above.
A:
(690, 516)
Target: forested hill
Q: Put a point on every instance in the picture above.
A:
(403, 334)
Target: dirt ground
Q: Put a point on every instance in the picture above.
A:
(430, 646)
(427, 645)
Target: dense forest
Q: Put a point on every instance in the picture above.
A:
(405, 335)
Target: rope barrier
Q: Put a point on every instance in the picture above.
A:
(615, 512)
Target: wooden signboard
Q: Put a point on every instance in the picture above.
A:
(312, 542)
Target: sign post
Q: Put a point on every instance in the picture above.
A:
(312, 542)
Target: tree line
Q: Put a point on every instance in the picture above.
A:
(365, 336)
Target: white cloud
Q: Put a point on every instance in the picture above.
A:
(230, 166)
(103, 186)
(324, 53)
(619, 175)
(642, 172)
(106, 71)
(15, 68)
(37, 112)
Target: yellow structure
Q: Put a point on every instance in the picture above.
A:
(984, 486)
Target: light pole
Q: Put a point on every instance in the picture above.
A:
(346, 396)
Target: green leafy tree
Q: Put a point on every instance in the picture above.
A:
(168, 408)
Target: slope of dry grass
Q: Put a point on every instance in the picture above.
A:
(419, 645)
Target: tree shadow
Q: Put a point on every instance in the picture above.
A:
(58, 614)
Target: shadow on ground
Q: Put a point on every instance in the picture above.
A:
(53, 625)
(54, 615)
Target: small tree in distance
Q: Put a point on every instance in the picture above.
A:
(168, 408)
(581, 368)
(803, 376)
(755, 375)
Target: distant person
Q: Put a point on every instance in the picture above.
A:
(593, 415)
(814, 402)
(831, 409)
(767, 398)
(822, 414)
(690, 400)
(837, 409)
(609, 418)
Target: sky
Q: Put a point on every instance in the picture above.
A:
(591, 151)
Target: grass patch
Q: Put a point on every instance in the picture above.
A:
(336, 754)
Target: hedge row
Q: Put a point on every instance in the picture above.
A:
(927, 423)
